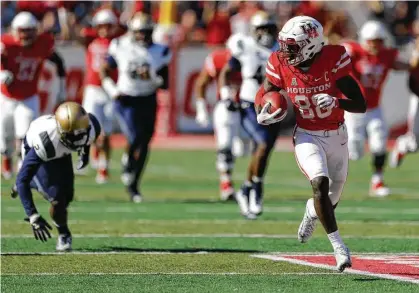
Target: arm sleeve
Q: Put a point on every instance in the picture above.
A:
(28, 170)
(59, 63)
(343, 65)
(164, 73)
(272, 73)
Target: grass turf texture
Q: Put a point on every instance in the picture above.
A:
(155, 246)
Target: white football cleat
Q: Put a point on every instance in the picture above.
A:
(307, 226)
(137, 198)
(243, 202)
(64, 243)
(255, 205)
(343, 258)
(379, 189)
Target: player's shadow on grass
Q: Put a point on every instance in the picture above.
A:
(367, 279)
(178, 250)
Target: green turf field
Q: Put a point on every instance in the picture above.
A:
(181, 239)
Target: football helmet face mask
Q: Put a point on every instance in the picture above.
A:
(73, 125)
(264, 29)
(25, 28)
(141, 27)
(300, 39)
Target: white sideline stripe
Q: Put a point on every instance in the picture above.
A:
(220, 235)
(203, 252)
(323, 266)
(169, 274)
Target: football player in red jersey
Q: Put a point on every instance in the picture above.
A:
(22, 54)
(96, 100)
(312, 75)
(371, 63)
(230, 141)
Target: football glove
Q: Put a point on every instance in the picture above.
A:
(39, 227)
(325, 101)
(201, 113)
(265, 118)
(13, 192)
(83, 157)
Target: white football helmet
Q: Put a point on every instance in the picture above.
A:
(263, 28)
(105, 16)
(373, 30)
(24, 27)
(300, 39)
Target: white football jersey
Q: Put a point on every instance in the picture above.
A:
(129, 55)
(253, 59)
(43, 136)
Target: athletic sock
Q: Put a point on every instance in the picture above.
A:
(335, 239)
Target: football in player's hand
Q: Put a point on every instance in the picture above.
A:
(277, 100)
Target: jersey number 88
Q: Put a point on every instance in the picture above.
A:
(309, 110)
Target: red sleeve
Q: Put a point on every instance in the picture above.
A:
(272, 71)
(394, 55)
(47, 43)
(342, 67)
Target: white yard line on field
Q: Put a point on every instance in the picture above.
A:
(350, 271)
(171, 274)
(218, 235)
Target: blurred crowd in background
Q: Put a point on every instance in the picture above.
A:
(212, 22)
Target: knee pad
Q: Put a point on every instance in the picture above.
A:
(356, 149)
(225, 160)
(335, 190)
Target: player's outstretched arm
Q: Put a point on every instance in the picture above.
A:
(202, 82)
(350, 88)
(28, 170)
(105, 74)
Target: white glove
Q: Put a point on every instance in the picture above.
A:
(265, 118)
(62, 93)
(325, 101)
(201, 113)
(6, 77)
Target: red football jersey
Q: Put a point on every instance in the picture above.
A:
(371, 70)
(95, 57)
(215, 62)
(332, 64)
(25, 63)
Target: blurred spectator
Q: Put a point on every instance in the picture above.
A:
(240, 22)
(398, 15)
(8, 11)
(335, 23)
(217, 21)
